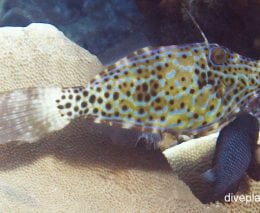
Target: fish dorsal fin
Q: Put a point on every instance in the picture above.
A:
(201, 32)
(197, 25)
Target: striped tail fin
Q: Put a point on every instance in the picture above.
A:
(29, 114)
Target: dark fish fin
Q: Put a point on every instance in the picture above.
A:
(253, 170)
(233, 188)
(254, 166)
(209, 176)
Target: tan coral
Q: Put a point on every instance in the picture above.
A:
(25, 56)
(76, 170)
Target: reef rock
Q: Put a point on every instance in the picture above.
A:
(77, 169)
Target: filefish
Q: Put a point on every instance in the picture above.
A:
(234, 154)
(182, 89)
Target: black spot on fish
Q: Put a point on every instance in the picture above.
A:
(68, 105)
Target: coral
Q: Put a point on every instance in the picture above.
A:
(25, 55)
(77, 169)
(190, 159)
(95, 25)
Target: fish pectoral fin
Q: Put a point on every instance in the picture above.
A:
(233, 188)
(209, 176)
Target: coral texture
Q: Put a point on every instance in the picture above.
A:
(77, 169)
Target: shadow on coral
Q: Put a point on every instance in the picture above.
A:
(199, 187)
(79, 148)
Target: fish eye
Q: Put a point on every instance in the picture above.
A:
(218, 55)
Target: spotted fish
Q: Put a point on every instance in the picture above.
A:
(185, 89)
(234, 154)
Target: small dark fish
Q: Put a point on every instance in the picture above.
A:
(235, 151)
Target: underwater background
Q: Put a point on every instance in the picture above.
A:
(111, 29)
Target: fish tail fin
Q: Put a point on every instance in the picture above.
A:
(209, 176)
(253, 170)
(28, 114)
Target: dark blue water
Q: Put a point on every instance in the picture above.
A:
(107, 28)
(113, 28)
